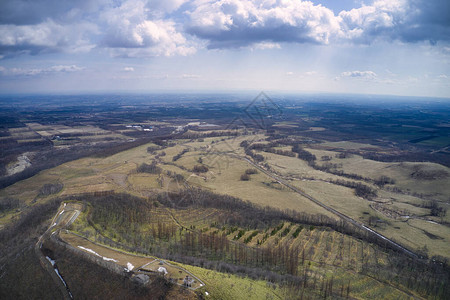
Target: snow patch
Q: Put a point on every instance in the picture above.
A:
(22, 163)
(109, 259)
(89, 250)
(95, 253)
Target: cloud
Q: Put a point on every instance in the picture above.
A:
(39, 71)
(26, 12)
(62, 68)
(235, 23)
(132, 28)
(44, 37)
(266, 45)
(302, 74)
(145, 28)
(365, 75)
(367, 22)
(189, 76)
(128, 69)
(239, 23)
(310, 73)
(130, 33)
(404, 20)
(167, 6)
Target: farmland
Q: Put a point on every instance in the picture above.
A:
(220, 202)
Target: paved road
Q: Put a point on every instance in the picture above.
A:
(332, 210)
(66, 215)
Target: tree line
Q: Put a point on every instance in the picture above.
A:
(167, 240)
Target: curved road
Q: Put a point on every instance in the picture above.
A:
(66, 215)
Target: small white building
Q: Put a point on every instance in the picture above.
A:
(162, 271)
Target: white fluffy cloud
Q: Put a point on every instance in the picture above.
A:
(368, 22)
(236, 23)
(130, 33)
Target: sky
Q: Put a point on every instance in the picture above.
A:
(392, 47)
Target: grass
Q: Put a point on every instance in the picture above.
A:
(117, 173)
(344, 200)
(227, 181)
(228, 286)
(121, 258)
(174, 272)
(401, 172)
(338, 197)
(189, 159)
(143, 181)
(218, 285)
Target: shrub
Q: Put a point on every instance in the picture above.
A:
(200, 169)
(239, 235)
(9, 203)
(50, 188)
(179, 155)
(251, 171)
(297, 231)
(251, 236)
(146, 168)
(245, 177)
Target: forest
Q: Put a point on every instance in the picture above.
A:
(120, 221)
